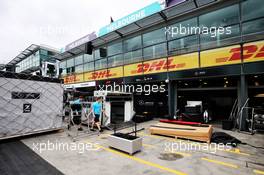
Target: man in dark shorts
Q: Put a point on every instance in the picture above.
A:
(97, 110)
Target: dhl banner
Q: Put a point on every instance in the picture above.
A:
(253, 51)
(69, 79)
(76, 78)
(153, 66)
(221, 56)
(116, 72)
(104, 74)
(88, 76)
(79, 78)
(182, 62)
(132, 70)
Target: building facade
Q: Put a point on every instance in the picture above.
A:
(215, 67)
(30, 60)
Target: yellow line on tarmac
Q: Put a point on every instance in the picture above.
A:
(147, 145)
(237, 151)
(142, 161)
(220, 162)
(258, 172)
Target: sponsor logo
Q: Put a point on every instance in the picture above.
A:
(156, 66)
(70, 79)
(249, 52)
(101, 74)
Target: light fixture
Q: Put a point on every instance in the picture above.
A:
(205, 83)
(255, 76)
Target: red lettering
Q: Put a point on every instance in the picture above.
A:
(260, 53)
(236, 54)
(248, 51)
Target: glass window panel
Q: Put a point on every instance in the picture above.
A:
(155, 51)
(207, 38)
(116, 60)
(63, 64)
(78, 59)
(87, 58)
(132, 44)
(64, 72)
(88, 67)
(252, 9)
(70, 62)
(253, 26)
(43, 52)
(183, 28)
(114, 49)
(79, 69)
(97, 54)
(154, 37)
(222, 17)
(100, 64)
(132, 57)
(186, 43)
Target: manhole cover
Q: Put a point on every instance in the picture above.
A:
(170, 156)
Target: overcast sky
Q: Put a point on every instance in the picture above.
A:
(55, 22)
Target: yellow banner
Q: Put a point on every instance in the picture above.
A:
(69, 79)
(253, 51)
(88, 76)
(153, 66)
(79, 78)
(221, 56)
(133, 69)
(182, 62)
(115, 72)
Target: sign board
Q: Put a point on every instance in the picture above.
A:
(27, 108)
(140, 14)
(25, 95)
(81, 41)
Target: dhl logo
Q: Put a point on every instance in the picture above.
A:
(102, 74)
(249, 52)
(70, 79)
(157, 66)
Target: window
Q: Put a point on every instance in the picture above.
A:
(70, 62)
(43, 52)
(154, 37)
(252, 9)
(184, 45)
(78, 59)
(79, 69)
(132, 57)
(116, 60)
(100, 64)
(63, 64)
(182, 29)
(253, 26)
(218, 40)
(88, 67)
(64, 72)
(132, 44)
(114, 49)
(87, 58)
(155, 51)
(222, 17)
(97, 54)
